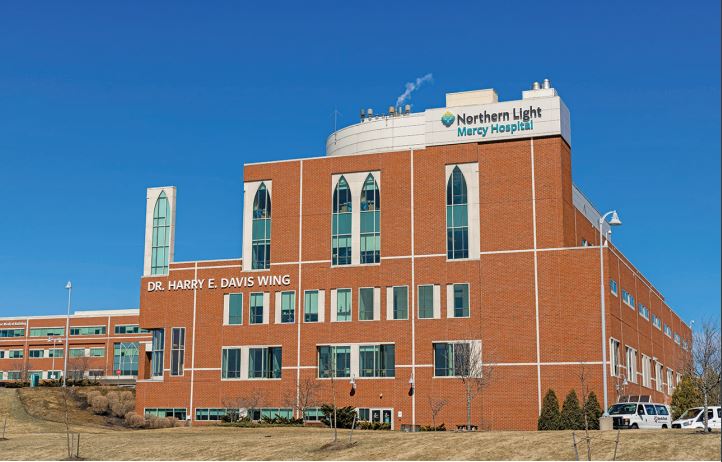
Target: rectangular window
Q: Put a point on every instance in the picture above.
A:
(36, 353)
(14, 375)
(15, 354)
(88, 330)
(613, 286)
(334, 361)
(98, 352)
(76, 352)
(426, 302)
(646, 371)
(658, 375)
(376, 361)
(628, 299)
(454, 359)
(644, 311)
(461, 300)
(614, 357)
(231, 363)
(256, 308)
(125, 358)
(5, 333)
(2, 354)
(178, 413)
(177, 350)
(234, 309)
(343, 305)
(656, 322)
(401, 302)
(212, 413)
(667, 330)
(288, 307)
(158, 349)
(46, 331)
(55, 353)
(677, 339)
(130, 329)
(312, 414)
(631, 365)
(264, 363)
(310, 306)
(670, 381)
(366, 304)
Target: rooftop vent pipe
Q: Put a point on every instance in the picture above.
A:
(535, 86)
(391, 110)
(546, 84)
(407, 108)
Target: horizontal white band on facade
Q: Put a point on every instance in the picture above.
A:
(62, 338)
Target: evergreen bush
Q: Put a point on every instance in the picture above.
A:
(550, 418)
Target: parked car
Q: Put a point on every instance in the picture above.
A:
(694, 418)
(640, 415)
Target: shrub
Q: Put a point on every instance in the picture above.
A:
(344, 416)
(121, 408)
(90, 395)
(364, 425)
(113, 397)
(592, 410)
(50, 383)
(134, 420)
(99, 404)
(127, 395)
(431, 428)
(549, 419)
(572, 416)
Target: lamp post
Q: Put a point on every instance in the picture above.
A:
(68, 286)
(614, 221)
(55, 341)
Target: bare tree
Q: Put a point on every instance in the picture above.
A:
(306, 396)
(249, 402)
(704, 363)
(472, 371)
(78, 367)
(436, 405)
(25, 368)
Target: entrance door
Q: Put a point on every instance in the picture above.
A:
(387, 416)
(35, 378)
(376, 415)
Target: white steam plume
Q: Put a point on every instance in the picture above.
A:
(413, 86)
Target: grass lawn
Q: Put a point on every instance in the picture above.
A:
(32, 437)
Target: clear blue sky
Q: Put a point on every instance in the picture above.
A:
(99, 100)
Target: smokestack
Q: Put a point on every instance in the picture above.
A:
(546, 84)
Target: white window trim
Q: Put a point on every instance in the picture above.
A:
(611, 355)
(376, 304)
(631, 369)
(170, 357)
(614, 291)
(227, 308)
(334, 304)
(436, 301)
(266, 308)
(390, 303)
(319, 305)
(450, 300)
(279, 306)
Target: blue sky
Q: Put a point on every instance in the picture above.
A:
(99, 100)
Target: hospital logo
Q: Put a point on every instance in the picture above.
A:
(447, 119)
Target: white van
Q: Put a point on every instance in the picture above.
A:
(694, 418)
(640, 415)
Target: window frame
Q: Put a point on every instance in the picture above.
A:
(177, 353)
(350, 302)
(418, 300)
(305, 305)
(251, 307)
(225, 361)
(393, 303)
(292, 310)
(373, 301)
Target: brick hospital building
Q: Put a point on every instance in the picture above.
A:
(417, 240)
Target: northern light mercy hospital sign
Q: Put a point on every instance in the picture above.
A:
(511, 119)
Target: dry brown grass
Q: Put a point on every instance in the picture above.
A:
(34, 438)
(46, 403)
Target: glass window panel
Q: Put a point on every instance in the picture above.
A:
(426, 301)
(343, 305)
(461, 300)
(366, 304)
(310, 306)
(401, 306)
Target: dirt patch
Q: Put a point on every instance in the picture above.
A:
(337, 445)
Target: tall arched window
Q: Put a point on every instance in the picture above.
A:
(261, 233)
(161, 236)
(457, 217)
(370, 221)
(341, 224)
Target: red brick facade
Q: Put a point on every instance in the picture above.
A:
(35, 345)
(534, 292)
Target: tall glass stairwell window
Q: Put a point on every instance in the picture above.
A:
(370, 221)
(457, 217)
(261, 235)
(160, 255)
(341, 224)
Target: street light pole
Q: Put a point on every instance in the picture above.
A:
(68, 286)
(613, 222)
